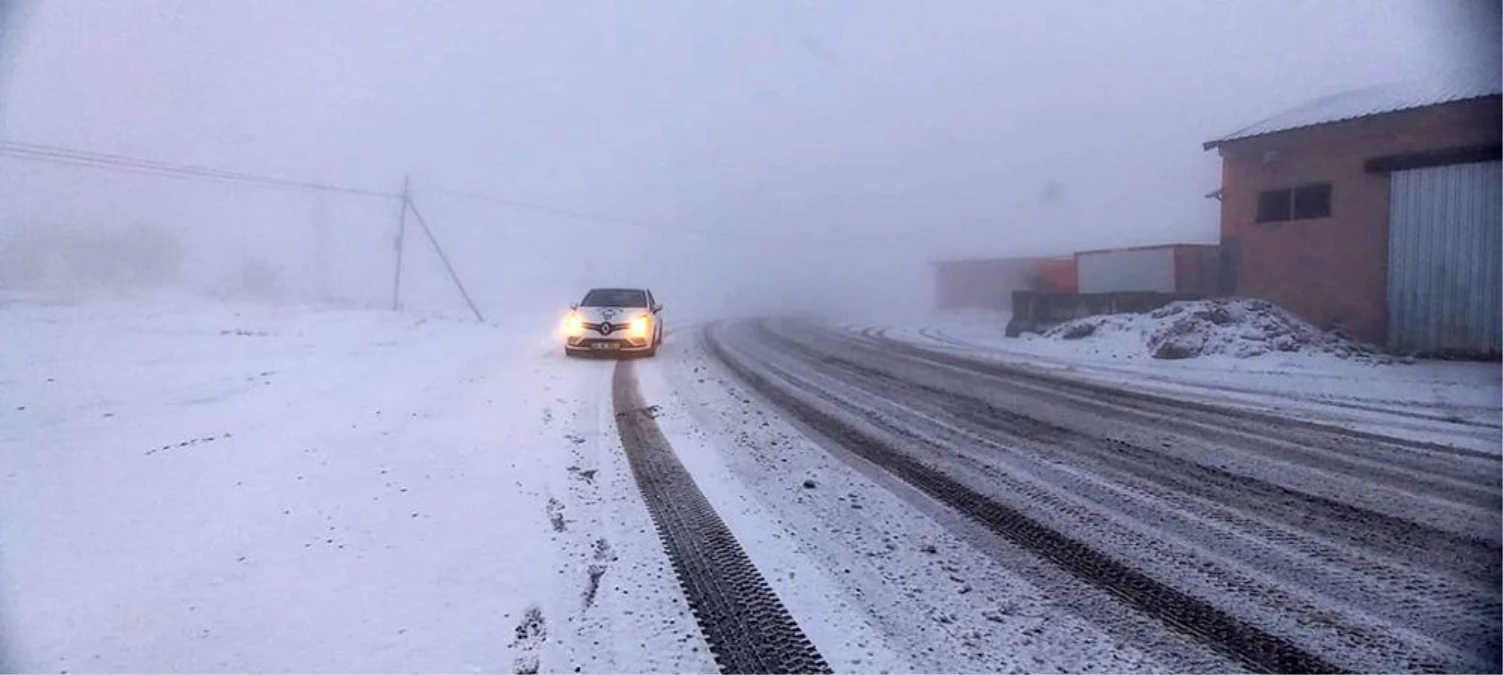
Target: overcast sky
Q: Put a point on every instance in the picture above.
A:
(944, 128)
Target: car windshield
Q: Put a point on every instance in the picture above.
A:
(614, 297)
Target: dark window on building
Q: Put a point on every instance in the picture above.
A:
(1297, 203)
(1312, 201)
(1274, 205)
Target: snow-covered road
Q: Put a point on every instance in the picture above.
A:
(1286, 545)
(191, 487)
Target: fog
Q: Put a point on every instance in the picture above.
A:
(733, 156)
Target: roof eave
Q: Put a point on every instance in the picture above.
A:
(1325, 123)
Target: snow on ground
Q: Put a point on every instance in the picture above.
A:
(832, 618)
(189, 485)
(1450, 402)
(876, 582)
(194, 486)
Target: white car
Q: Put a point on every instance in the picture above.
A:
(615, 320)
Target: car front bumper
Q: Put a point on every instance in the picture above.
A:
(607, 345)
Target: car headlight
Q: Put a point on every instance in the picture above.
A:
(641, 325)
(576, 325)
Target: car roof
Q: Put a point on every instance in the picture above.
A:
(619, 289)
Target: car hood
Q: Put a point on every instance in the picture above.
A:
(611, 314)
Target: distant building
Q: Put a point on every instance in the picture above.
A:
(1376, 211)
(989, 283)
(1181, 269)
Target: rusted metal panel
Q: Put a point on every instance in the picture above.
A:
(1445, 288)
(1057, 275)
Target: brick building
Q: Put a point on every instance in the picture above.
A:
(1376, 211)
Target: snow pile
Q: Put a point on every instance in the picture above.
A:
(1242, 328)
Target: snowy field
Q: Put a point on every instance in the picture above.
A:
(195, 487)
(1456, 403)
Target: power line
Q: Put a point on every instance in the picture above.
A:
(128, 164)
(551, 210)
(95, 164)
(615, 220)
(150, 167)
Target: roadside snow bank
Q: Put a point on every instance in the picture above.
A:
(1242, 328)
(1448, 402)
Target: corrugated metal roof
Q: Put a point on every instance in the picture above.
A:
(1386, 98)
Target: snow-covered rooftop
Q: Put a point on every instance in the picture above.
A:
(1374, 100)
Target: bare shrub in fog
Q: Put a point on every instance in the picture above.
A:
(133, 256)
(257, 278)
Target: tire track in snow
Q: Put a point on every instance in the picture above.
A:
(1249, 644)
(1309, 543)
(1415, 456)
(1438, 486)
(746, 626)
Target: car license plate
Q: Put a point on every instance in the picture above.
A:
(605, 345)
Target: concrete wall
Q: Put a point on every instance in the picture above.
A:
(1035, 312)
(1333, 271)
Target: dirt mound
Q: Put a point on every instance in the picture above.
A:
(1241, 328)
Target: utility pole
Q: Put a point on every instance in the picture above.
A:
(396, 289)
(321, 263)
(441, 256)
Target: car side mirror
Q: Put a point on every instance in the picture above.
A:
(573, 305)
(657, 308)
